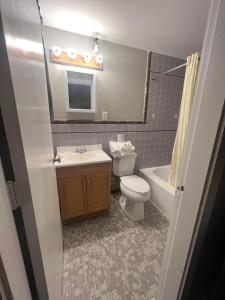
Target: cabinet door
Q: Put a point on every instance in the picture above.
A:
(72, 197)
(98, 191)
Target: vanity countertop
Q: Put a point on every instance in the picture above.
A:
(69, 156)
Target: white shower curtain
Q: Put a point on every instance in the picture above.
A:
(185, 110)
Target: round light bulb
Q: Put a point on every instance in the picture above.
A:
(72, 53)
(87, 57)
(56, 51)
(99, 59)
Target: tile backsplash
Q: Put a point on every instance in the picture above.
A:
(154, 140)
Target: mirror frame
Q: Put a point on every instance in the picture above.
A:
(146, 96)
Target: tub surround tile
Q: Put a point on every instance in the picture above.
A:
(161, 63)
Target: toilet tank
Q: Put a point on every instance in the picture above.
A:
(125, 165)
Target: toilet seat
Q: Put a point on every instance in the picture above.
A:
(135, 184)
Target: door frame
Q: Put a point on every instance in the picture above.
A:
(198, 149)
(5, 290)
(12, 269)
(210, 228)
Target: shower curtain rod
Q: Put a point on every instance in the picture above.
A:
(167, 72)
(171, 70)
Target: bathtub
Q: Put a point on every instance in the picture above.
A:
(162, 193)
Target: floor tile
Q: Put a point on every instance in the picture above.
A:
(112, 257)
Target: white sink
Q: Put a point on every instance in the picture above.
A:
(69, 156)
(83, 156)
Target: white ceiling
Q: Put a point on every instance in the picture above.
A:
(172, 27)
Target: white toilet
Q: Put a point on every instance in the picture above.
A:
(134, 189)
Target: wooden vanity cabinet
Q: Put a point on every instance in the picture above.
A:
(72, 197)
(84, 190)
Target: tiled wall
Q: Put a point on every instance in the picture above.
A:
(153, 140)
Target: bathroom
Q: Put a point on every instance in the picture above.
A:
(149, 123)
(105, 135)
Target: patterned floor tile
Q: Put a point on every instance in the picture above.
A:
(111, 257)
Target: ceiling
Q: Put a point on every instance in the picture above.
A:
(171, 27)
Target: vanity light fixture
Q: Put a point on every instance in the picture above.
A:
(99, 59)
(72, 53)
(57, 51)
(76, 58)
(87, 57)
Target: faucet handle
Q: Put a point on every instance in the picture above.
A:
(81, 149)
(57, 158)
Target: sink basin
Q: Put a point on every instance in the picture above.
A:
(82, 156)
(71, 158)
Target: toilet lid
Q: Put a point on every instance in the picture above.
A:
(135, 184)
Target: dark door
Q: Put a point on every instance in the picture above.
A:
(206, 275)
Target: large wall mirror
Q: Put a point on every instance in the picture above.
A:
(93, 80)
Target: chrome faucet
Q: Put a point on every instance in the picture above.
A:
(81, 149)
(56, 158)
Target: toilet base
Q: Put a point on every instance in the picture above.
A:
(133, 209)
(122, 201)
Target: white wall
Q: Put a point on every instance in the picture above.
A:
(120, 87)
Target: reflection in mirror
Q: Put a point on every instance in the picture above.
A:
(97, 81)
(81, 92)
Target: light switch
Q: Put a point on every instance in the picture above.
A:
(104, 115)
